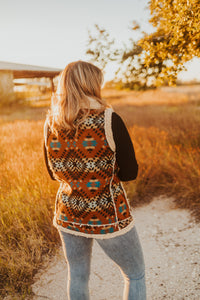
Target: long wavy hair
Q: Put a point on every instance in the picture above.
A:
(70, 105)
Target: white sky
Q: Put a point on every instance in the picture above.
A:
(55, 32)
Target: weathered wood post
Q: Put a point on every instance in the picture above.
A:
(52, 85)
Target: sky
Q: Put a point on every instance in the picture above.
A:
(54, 33)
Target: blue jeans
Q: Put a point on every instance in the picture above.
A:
(124, 250)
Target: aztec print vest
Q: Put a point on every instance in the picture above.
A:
(91, 200)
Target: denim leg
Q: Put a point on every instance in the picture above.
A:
(126, 252)
(77, 251)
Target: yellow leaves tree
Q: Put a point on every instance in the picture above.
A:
(132, 72)
(156, 58)
(177, 36)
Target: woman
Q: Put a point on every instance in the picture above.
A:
(89, 152)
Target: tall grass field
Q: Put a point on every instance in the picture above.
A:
(166, 138)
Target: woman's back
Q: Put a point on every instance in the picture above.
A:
(91, 199)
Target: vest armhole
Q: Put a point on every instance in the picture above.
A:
(45, 132)
(108, 128)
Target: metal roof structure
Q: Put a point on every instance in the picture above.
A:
(28, 71)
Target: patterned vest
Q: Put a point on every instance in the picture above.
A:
(91, 200)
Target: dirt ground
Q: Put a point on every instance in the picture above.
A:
(170, 240)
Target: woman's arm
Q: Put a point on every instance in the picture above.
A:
(125, 154)
(45, 151)
(46, 162)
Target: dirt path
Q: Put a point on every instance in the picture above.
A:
(171, 245)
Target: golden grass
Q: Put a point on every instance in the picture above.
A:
(31, 93)
(167, 145)
(165, 168)
(27, 202)
(161, 96)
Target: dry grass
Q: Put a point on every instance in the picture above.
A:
(161, 96)
(31, 94)
(27, 202)
(167, 145)
(165, 168)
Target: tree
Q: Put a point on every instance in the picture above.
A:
(100, 47)
(156, 58)
(137, 74)
(132, 72)
(176, 39)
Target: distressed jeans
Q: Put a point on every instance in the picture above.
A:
(124, 250)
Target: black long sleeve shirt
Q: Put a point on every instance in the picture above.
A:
(125, 154)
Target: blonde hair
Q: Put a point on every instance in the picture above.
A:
(70, 104)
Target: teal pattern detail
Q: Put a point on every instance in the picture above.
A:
(73, 144)
(93, 184)
(63, 218)
(55, 145)
(122, 208)
(92, 143)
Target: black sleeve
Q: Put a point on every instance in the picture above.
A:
(125, 154)
(46, 162)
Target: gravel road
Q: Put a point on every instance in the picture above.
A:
(171, 244)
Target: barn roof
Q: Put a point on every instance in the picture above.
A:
(28, 71)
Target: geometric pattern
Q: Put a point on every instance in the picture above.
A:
(91, 199)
